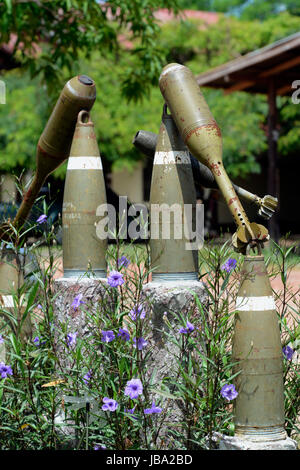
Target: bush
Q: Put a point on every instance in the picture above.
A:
(63, 390)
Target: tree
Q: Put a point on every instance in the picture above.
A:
(51, 35)
(241, 116)
(245, 9)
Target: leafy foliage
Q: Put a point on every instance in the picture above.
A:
(48, 366)
(51, 35)
(241, 116)
(249, 10)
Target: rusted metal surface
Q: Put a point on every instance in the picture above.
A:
(202, 136)
(55, 142)
(146, 141)
(171, 185)
(84, 191)
(259, 406)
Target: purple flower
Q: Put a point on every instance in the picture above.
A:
(38, 342)
(40, 306)
(229, 392)
(124, 334)
(288, 352)
(109, 404)
(189, 328)
(115, 279)
(5, 370)
(153, 409)
(133, 388)
(42, 218)
(87, 377)
(131, 410)
(77, 301)
(71, 339)
(123, 262)
(137, 312)
(1, 339)
(229, 265)
(140, 343)
(108, 336)
(100, 447)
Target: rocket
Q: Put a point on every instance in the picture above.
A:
(257, 354)
(145, 141)
(202, 136)
(54, 144)
(171, 190)
(84, 192)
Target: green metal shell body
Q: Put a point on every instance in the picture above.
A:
(259, 406)
(57, 136)
(84, 191)
(172, 186)
(11, 279)
(199, 130)
(55, 142)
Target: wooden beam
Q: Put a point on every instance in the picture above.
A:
(284, 89)
(281, 67)
(254, 58)
(273, 171)
(240, 86)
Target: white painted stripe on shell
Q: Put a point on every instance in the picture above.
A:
(172, 157)
(8, 300)
(255, 304)
(85, 163)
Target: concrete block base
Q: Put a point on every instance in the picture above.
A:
(94, 292)
(237, 443)
(65, 289)
(162, 300)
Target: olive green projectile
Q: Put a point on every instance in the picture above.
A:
(84, 192)
(171, 190)
(55, 142)
(259, 406)
(202, 136)
(146, 141)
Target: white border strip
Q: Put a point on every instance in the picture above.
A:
(173, 157)
(7, 301)
(255, 304)
(85, 163)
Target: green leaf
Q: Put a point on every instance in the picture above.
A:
(165, 394)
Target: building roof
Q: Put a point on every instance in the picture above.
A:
(208, 17)
(252, 72)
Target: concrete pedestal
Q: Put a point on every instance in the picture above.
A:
(162, 298)
(236, 443)
(93, 291)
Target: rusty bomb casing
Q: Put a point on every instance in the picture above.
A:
(146, 141)
(84, 191)
(259, 406)
(171, 189)
(55, 142)
(11, 279)
(202, 136)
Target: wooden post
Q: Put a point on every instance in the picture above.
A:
(273, 171)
